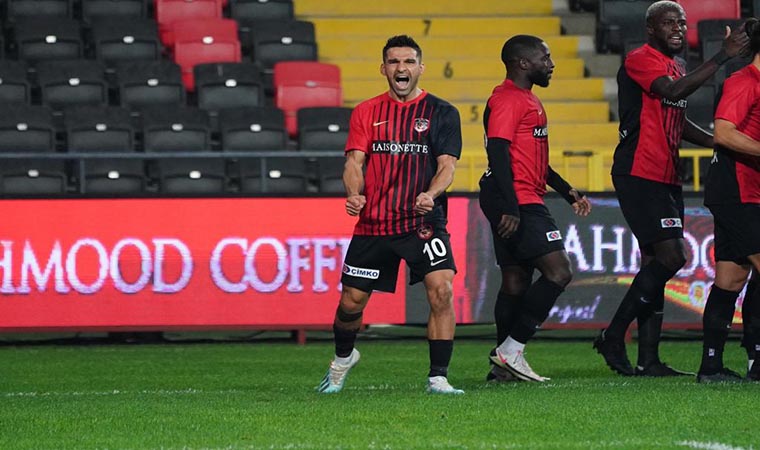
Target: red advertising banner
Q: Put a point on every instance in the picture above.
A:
(172, 263)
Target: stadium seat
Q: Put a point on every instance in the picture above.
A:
(125, 39)
(618, 21)
(273, 41)
(104, 129)
(168, 12)
(207, 41)
(282, 175)
(43, 38)
(25, 128)
(72, 82)
(228, 85)
(302, 84)
(96, 10)
(170, 129)
(702, 106)
(23, 9)
(325, 129)
(145, 83)
(261, 10)
(252, 128)
(699, 10)
(14, 83)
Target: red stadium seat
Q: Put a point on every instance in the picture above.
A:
(168, 12)
(302, 84)
(204, 41)
(697, 10)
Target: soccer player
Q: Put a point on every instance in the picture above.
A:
(652, 91)
(525, 235)
(732, 193)
(408, 141)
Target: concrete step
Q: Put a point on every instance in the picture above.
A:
(422, 8)
(382, 28)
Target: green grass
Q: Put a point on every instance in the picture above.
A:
(261, 395)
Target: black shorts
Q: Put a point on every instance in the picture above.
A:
(537, 235)
(654, 211)
(737, 231)
(372, 262)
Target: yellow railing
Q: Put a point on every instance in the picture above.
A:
(585, 169)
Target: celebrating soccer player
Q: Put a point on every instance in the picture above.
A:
(409, 141)
(732, 193)
(652, 91)
(525, 235)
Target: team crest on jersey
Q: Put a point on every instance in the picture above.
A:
(421, 124)
(425, 232)
(671, 222)
(552, 236)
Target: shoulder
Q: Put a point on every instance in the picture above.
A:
(644, 54)
(371, 102)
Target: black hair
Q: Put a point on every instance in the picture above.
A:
(518, 47)
(752, 28)
(402, 40)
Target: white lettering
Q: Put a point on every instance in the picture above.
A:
(217, 274)
(54, 266)
(71, 266)
(298, 262)
(573, 246)
(282, 265)
(186, 258)
(616, 246)
(145, 266)
(6, 264)
(321, 262)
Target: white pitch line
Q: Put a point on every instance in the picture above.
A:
(170, 392)
(711, 445)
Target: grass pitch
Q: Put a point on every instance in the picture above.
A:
(261, 395)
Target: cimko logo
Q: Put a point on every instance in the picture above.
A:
(671, 222)
(360, 272)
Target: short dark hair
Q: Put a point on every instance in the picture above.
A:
(752, 27)
(402, 40)
(518, 47)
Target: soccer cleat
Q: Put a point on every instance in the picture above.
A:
(724, 375)
(336, 374)
(660, 369)
(754, 371)
(500, 375)
(517, 365)
(614, 355)
(440, 385)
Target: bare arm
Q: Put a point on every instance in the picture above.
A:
(728, 136)
(441, 180)
(734, 44)
(353, 180)
(696, 135)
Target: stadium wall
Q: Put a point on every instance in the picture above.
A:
(161, 264)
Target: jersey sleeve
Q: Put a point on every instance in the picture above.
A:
(736, 101)
(359, 137)
(504, 118)
(447, 139)
(644, 68)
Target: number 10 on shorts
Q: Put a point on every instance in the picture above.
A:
(435, 248)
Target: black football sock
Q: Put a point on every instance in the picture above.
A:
(440, 356)
(345, 328)
(716, 323)
(537, 303)
(646, 288)
(505, 313)
(650, 329)
(751, 298)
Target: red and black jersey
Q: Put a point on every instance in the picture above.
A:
(650, 126)
(402, 142)
(735, 177)
(517, 115)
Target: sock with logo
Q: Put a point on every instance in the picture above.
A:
(505, 311)
(510, 346)
(440, 356)
(716, 323)
(646, 288)
(537, 303)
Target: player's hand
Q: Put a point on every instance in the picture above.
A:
(355, 203)
(736, 42)
(581, 206)
(507, 226)
(423, 204)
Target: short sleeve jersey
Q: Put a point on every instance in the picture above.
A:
(735, 177)
(402, 142)
(650, 126)
(517, 115)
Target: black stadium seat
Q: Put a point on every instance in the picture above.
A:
(45, 38)
(14, 82)
(251, 129)
(21, 9)
(282, 40)
(619, 21)
(96, 10)
(72, 82)
(125, 39)
(148, 83)
(261, 10)
(228, 85)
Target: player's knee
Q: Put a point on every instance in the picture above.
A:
(440, 297)
(561, 276)
(353, 300)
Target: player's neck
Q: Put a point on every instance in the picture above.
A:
(408, 98)
(756, 61)
(521, 82)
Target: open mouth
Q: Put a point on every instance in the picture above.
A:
(675, 39)
(402, 81)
